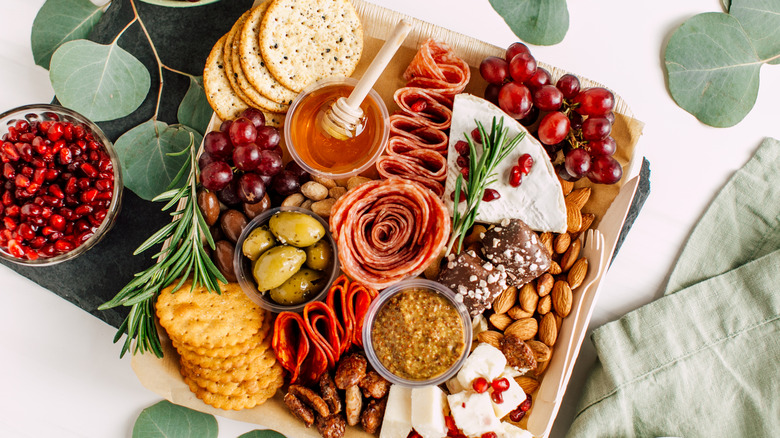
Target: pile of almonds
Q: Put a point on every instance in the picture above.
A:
(319, 194)
(534, 311)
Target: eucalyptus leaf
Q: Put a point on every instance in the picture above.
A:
(143, 151)
(267, 433)
(727, 4)
(537, 22)
(194, 109)
(167, 420)
(60, 21)
(713, 69)
(102, 82)
(761, 21)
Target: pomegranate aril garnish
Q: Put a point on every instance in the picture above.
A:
(419, 106)
(497, 397)
(15, 248)
(515, 176)
(480, 384)
(462, 148)
(489, 435)
(8, 171)
(526, 162)
(462, 161)
(500, 385)
(462, 197)
(516, 415)
(10, 223)
(491, 195)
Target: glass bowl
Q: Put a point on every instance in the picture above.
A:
(371, 323)
(33, 115)
(320, 154)
(243, 266)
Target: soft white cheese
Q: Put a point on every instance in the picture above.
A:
(428, 411)
(538, 201)
(453, 385)
(511, 431)
(397, 422)
(512, 398)
(485, 361)
(472, 413)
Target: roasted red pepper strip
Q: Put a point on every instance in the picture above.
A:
(322, 329)
(359, 297)
(290, 342)
(337, 300)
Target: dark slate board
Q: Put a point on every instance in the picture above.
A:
(183, 38)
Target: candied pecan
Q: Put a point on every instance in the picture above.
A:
(330, 393)
(374, 385)
(310, 398)
(354, 403)
(373, 415)
(298, 409)
(518, 354)
(350, 371)
(332, 426)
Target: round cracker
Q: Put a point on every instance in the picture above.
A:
(252, 368)
(218, 363)
(197, 317)
(223, 100)
(242, 401)
(227, 55)
(303, 41)
(257, 339)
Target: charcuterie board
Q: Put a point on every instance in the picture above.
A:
(609, 203)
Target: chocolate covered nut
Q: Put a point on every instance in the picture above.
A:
(476, 282)
(516, 247)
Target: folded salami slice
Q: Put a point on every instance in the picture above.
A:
(436, 67)
(322, 327)
(418, 133)
(350, 301)
(359, 298)
(434, 109)
(290, 343)
(337, 300)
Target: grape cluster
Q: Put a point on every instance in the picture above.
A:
(575, 121)
(243, 160)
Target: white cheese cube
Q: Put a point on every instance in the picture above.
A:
(510, 372)
(428, 412)
(397, 422)
(453, 385)
(512, 431)
(485, 361)
(512, 399)
(473, 413)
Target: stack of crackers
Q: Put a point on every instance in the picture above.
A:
(278, 48)
(224, 341)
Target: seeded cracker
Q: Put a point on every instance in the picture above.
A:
(227, 54)
(252, 64)
(220, 95)
(303, 41)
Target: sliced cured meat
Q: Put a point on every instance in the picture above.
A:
(322, 327)
(418, 133)
(388, 230)
(423, 166)
(437, 68)
(435, 109)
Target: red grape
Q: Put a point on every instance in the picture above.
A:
(205, 159)
(605, 146)
(494, 69)
(255, 115)
(294, 167)
(547, 98)
(229, 195)
(246, 157)
(553, 128)
(215, 176)
(491, 93)
(595, 101)
(217, 144)
(539, 78)
(270, 163)
(569, 85)
(576, 120)
(268, 137)
(242, 131)
(225, 126)
(251, 188)
(560, 169)
(285, 183)
(515, 99)
(596, 128)
(611, 117)
(522, 67)
(531, 117)
(605, 170)
(577, 162)
(515, 49)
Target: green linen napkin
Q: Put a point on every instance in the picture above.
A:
(702, 361)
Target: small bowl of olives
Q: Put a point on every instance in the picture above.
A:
(285, 258)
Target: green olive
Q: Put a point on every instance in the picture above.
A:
(277, 265)
(299, 288)
(257, 242)
(297, 229)
(319, 255)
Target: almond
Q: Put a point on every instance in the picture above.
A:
(548, 330)
(475, 236)
(541, 351)
(587, 221)
(544, 284)
(577, 273)
(541, 366)
(566, 186)
(528, 298)
(558, 321)
(579, 197)
(491, 337)
(544, 306)
(529, 384)
(524, 329)
(573, 217)
(570, 256)
(561, 243)
(506, 300)
(555, 268)
(518, 312)
(500, 321)
(547, 240)
(562, 298)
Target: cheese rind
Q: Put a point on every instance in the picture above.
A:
(485, 361)
(473, 413)
(428, 412)
(397, 422)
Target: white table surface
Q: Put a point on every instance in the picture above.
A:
(61, 373)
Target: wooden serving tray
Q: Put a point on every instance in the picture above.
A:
(610, 204)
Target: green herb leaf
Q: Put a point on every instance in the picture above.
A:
(713, 69)
(761, 21)
(60, 21)
(194, 109)
(267, 433)
(143, 152)
(167, 420)
(102, 82)
(538, 22)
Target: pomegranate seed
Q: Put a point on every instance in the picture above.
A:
(500, 385)
(78, 132)
(8, 171)
(462, 196)
(83, 237)
(46, 212)
(56, 191)
(31, 209)
(94, 156)
(104, 185)
(52, 201)
(104, 196)
(106, 175)
(82, 145)
(13, 134)
(58, 146)
(526, 404)
(84, 183)
(25, 151)
(83, 210)
(75, 151)
(515, 176)
(66, 156)
(462, 148)
(10, 152)
(10, 223)
(38, 242)
(22, 125)
(57, 222)
(516, 415)
(7, 198)
(93, 146)
(98, 217)
(451, 426)
(476, 136)
(39, 175)
(89, 196)
(480, 385)
(52, 174)
(48, 157)
(414, 434)
(26, 231)
(465, 172)
(489, 435)
(67, 131)
(31, 254)
(490, 195)
(105, 165)
(64, 245)
(27, 171)
(47, 250)
(462, 161)
(525, 161)
(26, 137)
(48, 231)
(55, 131)
(70, 186)
(419, 105)
(45, 125)
(89, 170)
(22, 181)
(81, 225)
(67, 213)
(16, 249)
(497, 397)
(12, 211)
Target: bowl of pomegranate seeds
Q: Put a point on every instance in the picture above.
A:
(60, 185)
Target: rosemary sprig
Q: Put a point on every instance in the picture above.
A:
(495, 147)
(184, 256)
